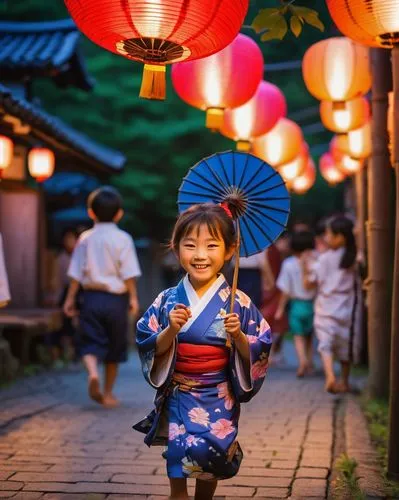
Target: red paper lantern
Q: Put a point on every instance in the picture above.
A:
(6, 152)
(256, 117)
(41, 163)
(302, 184)
(281, 145)
(159, 32)
(227, 79)
(329, 170)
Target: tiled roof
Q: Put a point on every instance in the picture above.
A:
(93, 153)
(43, 49)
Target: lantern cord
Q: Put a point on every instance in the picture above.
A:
(153, 85)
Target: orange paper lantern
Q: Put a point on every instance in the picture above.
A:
(41, 163)
(356, 143)
(355, 114)
(6, 152)
(281, 145)
(256, 117)
(337, 69)
(295, 168)
(372, 22)
(329, 170)
(349, 166)
(302, 184)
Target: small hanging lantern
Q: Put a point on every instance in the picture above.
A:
(295, 168)
(6, 152)
(211, 83)
(355, 114)
(329, 170)
(337, 69)
(256, 117)
(350, 166)
(357, 143)
(159, 32)
(302, 184)
(41, 163)
(281, 145)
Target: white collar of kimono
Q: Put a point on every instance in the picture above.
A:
(198, 304)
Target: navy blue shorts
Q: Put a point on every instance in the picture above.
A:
(103, 326)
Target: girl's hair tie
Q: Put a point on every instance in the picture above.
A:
(226, 208)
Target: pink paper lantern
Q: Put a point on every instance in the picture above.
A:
(256, 117)
(223, 80)
(329, 170)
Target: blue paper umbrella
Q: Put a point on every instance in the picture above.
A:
(254, 191)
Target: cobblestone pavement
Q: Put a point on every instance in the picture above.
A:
(56, 444)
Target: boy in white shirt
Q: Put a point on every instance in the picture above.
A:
(300, 315)
(104, 263)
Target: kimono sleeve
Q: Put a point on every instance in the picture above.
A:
(249, 379)
(156, 369)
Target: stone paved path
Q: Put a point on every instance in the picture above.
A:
(55, 444)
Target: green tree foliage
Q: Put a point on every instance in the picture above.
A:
(162, 140)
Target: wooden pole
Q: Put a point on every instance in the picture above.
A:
(393, 442)
(378, 230)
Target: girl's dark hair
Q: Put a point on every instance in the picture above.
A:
(301, 241)
(214, 216)
(343, 225)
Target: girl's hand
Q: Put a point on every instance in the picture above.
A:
(178, 317)
(232, 324)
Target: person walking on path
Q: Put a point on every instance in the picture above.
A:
(104, 263)
(299, 300)
(335, 276)
(183, 342)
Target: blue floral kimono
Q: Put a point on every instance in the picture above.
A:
(196, 416)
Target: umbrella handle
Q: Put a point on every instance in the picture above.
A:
(235, 278)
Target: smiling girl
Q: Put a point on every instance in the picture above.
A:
(182, 341)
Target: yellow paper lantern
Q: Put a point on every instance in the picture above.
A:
(329, 170)
(6, 152)
(357, 143)
(295, 168)
(41, 163)
(302, 184)
(337, 69)
(355, 114)
(281, 145)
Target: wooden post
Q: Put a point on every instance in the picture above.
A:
(393, 442)
(379, 230)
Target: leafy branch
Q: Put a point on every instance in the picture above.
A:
(272, 23)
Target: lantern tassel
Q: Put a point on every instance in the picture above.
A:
(153, 85)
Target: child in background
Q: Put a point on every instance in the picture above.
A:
(300, 315)
(62, 341)
(105, 265)
(334, 274)
(182, 344)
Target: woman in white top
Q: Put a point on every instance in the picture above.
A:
(335, 276)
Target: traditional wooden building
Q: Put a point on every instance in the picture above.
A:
(29, 51)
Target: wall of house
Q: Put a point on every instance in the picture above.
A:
(19, 228)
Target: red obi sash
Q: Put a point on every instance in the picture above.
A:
(192, 358)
